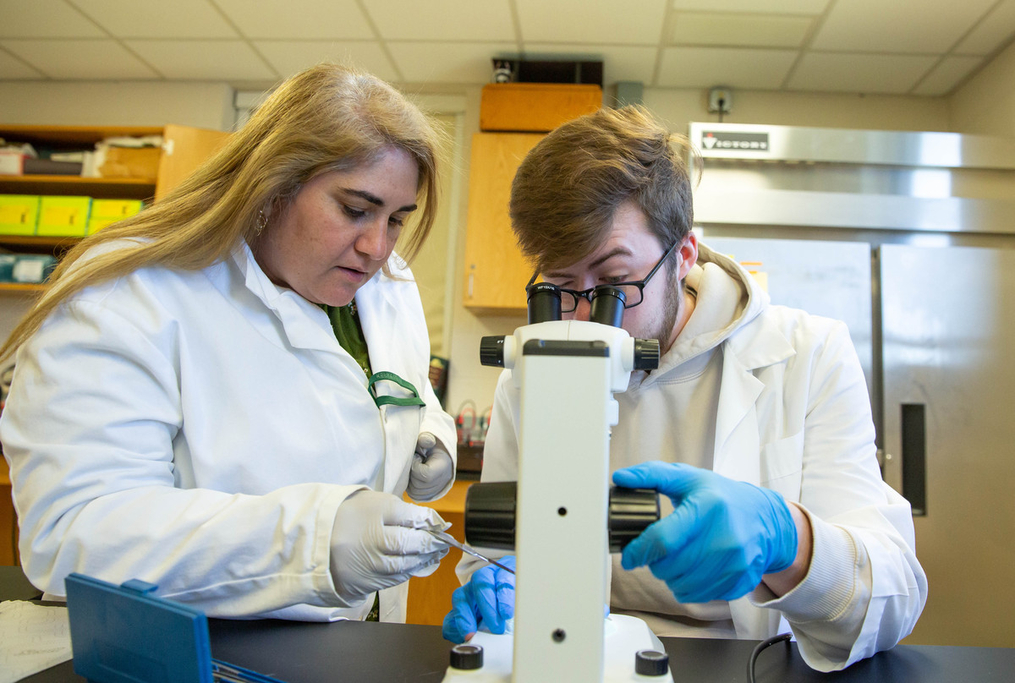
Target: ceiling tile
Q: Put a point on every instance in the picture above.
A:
(12, 68)
(80, 59)
(620, 63)
(299, 19)
(907, 26)
(703, 67)
(991, 33)
(289, 57)
(760, 6)
(946, 75)
(176, 19)
(739, 30)
(45, 19)
(616, 22)
(821, 72)
(448, 62)
(206, 60)
(462, 20)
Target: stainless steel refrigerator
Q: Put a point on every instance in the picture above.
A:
(910, 239)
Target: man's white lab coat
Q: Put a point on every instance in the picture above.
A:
(198, 430)
(793, 416)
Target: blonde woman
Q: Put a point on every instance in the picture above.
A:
(227, 394)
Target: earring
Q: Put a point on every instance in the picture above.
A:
(262, 222)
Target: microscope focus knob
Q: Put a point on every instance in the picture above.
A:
(651, 663)
(466, 657)
(646, 354)
(491, 351)
(631, 512)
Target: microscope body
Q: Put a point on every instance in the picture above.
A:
(567, 373)
(565, 518)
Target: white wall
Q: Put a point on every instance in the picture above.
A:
(137, 103)
(986, 104)
(879, 112)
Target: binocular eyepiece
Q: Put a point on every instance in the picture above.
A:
(544, 304)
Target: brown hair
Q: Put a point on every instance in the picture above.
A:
(325, 118)
(569, 186)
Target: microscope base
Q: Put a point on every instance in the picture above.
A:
(623, 637)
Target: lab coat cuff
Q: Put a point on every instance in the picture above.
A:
(324, 584)
(830, 584)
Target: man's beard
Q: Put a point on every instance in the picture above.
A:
(674, 300)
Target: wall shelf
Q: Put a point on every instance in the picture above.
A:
(26, 287)
(100, 188)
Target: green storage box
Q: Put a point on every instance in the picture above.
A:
(18, 214)
(63, 216)
(106, 211)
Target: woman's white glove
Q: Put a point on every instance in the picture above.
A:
(432, 468)
(378, 542)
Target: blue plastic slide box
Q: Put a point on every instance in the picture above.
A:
(126, 634)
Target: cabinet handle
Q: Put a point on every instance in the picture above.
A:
(472, 277)
(914, 457)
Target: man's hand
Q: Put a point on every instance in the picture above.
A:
(487, 600)
(722, 537)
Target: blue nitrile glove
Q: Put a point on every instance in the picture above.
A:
(722, 537)
(487, 600)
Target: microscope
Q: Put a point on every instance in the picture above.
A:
(562, 518)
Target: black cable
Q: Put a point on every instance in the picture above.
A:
(722, 103)
(758, 650)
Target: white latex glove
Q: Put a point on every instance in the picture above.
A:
(378, 542)
(432, 468)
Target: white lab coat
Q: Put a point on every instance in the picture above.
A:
(198, 430)
(793, 416)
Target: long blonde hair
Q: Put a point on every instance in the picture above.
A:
(326, 118)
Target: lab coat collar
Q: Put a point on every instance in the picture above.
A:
(757, 342)
(306, 324)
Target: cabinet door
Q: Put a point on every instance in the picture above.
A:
(495, 271)
(8, 522)
(183, 150)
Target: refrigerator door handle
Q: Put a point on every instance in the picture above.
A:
(914, 456)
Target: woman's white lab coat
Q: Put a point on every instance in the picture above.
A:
(793, 416)
(198, 430)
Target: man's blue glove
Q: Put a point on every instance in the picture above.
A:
(722, 537)
(487, 600)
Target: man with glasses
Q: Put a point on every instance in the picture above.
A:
(756, 424)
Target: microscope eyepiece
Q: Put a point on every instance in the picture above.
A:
(608, 305)
(543, 302)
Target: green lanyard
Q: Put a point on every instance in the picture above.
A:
(345, 323)
(386, 376)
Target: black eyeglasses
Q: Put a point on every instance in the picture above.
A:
(634, 292)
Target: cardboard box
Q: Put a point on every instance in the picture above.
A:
(19, 214)
(12, 162)
(131, 162)
(106, 211)
(63, 216)
(535, 107)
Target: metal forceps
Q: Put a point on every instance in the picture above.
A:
(445, 537)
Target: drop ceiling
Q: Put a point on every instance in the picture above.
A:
(914, 47)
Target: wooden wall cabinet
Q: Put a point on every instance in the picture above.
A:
(495, 270)
(184, 149)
